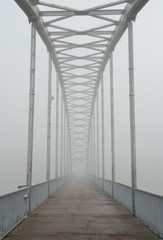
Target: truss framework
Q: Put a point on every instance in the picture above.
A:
(80, 55)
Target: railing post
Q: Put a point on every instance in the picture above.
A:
(112, 122)
(31, 114)
(57, 116)
(132, 114)
(103, 142)
(49, 124)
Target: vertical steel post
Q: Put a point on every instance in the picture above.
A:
(97, 115)
(91, 149)
(57, 116)
(69, 155)
(112, 122)
(65, 144)
(69, 150)
(87, 156)
(88, 160)
(31, 114)
(49, 124)
(94, 148)
(64, 140)
(61, 140)
(87, 165)
(103, 142)
(132, 114)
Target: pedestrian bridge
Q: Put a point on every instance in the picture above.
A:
(93, 207)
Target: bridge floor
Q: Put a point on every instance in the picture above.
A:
(81, 211)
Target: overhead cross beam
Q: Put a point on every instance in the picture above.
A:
(81, 13)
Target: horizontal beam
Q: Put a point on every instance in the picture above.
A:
(80, 46)
(107, 12)
(81, 13)
(65, 33)
(56, 13)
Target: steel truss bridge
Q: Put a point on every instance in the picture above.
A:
(80, 56)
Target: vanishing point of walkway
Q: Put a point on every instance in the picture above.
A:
(80, 210)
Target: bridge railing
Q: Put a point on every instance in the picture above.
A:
(13, 206)
(148, 206)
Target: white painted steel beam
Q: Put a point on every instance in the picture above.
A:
(103, 132)
(79, 13)
(112, 122)
(49, 124)
(31, 115)
(132, 114)
(57, 125)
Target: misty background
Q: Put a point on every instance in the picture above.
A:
(14, 92)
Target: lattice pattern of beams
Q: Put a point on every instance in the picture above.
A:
(80, 54)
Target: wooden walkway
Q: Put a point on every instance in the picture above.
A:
(81, 211)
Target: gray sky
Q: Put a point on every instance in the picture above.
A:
(14, 77)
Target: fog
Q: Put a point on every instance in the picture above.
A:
(14, 92)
